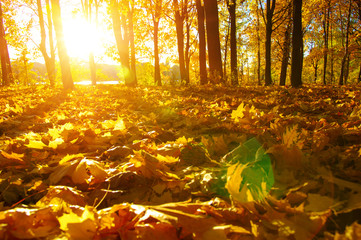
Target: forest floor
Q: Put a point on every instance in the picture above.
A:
(210, 162)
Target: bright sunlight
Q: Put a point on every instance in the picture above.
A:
(81, 38)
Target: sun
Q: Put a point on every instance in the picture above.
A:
(81, 38)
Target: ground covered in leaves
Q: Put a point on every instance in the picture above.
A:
(110, 162)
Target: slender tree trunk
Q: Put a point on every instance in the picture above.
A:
(133, 70)
(344, 65)
(234, 62)
(120, 38)
(3, 44)
(52, 67)
(315, 67)
(326, 27)
(157, 76)
(297, 45)
(202, 43)
(225, 53)
(63, 55)
(49, 64)
(188, 43)
(269, 25)
(214, 47)
(332, 55)
(258, 49)
(286, 50)
(359, 75)
(179, 21)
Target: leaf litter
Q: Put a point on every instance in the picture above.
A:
(210, 162)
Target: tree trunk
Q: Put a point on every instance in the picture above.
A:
(202, 43)
(188, 43)
(359, 75)
(52, 67)
(286, 51)
(157, 77)
(326, 27)
(297, 45)
(179, 21)
(269, 25)
(344, 65)
(63, 55)
(258, 49)
(234, 61)
(49, 64)
(225, 53)
(133, 70)
(3, 44)
(120, 39)
(214, 47)
(315, 67)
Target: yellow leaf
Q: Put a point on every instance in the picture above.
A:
(79, 227)
(35, 144)
(239, 113)
(119, 125)
(234, 182)
(68, 158)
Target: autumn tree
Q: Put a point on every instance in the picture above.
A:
(286, 47)
(62, 51)
(122, 21)
(231, 6)
(179, 16)
(297, 42)
(213, 41)
(202, 43)
(4, 53)
(48, 58)
(346, 44)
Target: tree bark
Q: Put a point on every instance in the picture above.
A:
(121, 39)
(202, 43)
(258, 49)
(49, 62)
(156, 18)
(133, 70)
(286, 51)
(234, 62)
(3, 44)
(297, 45)
(344, 63)
(326, 27)
(179, 21)
(214, 47)
(62, 51)
(269, 25)
(51, 39)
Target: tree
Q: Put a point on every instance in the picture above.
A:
(62, 51)
(297, 43)
(49, 59)
(346, 55)
(231, 5)
(213, 41)
(179, 15)
(121, 37)
(133, 70)
(326, 31)
(286, 48)
(202, 43)
(4, 53)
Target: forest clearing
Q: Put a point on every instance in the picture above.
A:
(209, 162)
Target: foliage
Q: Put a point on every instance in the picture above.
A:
(180, 163)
